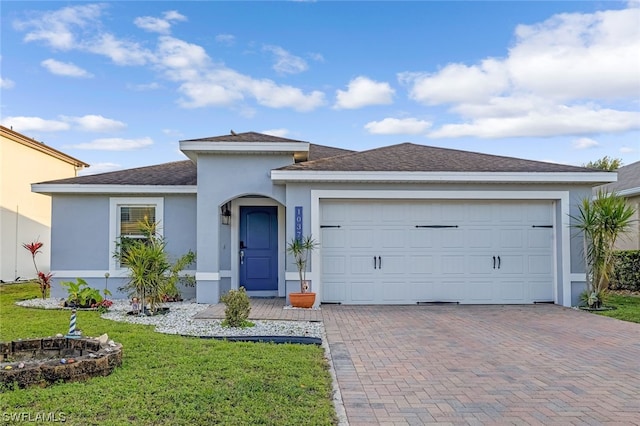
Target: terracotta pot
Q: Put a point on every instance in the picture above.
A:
(302, 300)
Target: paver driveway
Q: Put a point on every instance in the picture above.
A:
(539, 364)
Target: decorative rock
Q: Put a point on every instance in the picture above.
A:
(103, 339)
(63, 361)
(92, 355)
(71, 361)
(59, 335)
(112, 343)
(8, 367)
(21, 365)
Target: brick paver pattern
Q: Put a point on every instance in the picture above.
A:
(529, 365)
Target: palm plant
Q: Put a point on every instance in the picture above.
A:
(301, 248)
(151, 274)
(601, 221)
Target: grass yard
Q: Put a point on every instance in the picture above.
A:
(627, 307)
(172, 380)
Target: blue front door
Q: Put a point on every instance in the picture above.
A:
(259, 248)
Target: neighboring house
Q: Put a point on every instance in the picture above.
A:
(628, 186)
(25, 216)
(396, 225)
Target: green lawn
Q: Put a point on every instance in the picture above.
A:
(627, 307)
(172, 380)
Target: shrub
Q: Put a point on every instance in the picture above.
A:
(80, 295)
(626, 270)
(238, 308)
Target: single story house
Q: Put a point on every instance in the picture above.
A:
(628, 186)
(401, 224)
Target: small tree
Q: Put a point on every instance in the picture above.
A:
(151, 274)
(601, 220)
(301, 248)
(605, 163)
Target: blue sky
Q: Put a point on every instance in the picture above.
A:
(118, 84)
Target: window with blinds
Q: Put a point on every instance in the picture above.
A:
(130, 218)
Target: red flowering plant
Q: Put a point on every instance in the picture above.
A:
(43, 279)
(103, 306)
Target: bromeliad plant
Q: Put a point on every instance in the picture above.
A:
(601, 221)
(43, 279)
(151, 275)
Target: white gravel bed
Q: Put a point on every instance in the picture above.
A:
(179, 320)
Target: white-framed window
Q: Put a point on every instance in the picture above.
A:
(125, 214)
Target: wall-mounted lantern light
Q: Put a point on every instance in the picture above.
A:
(225, 214)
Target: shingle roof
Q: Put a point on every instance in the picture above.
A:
(175, 173)
(243, 137)
(628, 178)
(409, 157)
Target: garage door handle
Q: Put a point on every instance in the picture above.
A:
(499, 261)
(374, 263)
(494, 262)
(379, 262)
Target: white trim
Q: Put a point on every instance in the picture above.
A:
(45, 188)
(630, 192)
(235, 239)
(281, 176)
(118, 273)
(114, 203)
(207, 276)
(558, 196)
(244, 147)
(578, 277)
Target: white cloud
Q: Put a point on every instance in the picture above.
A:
(227, 39)
(558, 73)
(121, 52)
(556, 121)
(286, 63)
(159, 25)
(95, 123)
(144, 87)
(627, 150)
(57, 28)
(115, 144)
(316, 57)
(25, 124)
(281, 133)
(457, 83)
(363, 91)
(100, 168)
(585, 143)
(5, 83)
(397, 126)
(66, 69)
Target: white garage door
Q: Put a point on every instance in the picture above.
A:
(393, 252)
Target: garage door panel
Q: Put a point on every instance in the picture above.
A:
(451, 238)
(452, 264)
(480, 291)
(334, 291)
(363, 292)
(422, 264)
(361, 238)
(448, 258)
(395, 292)
(480, 264)
(334, 265)
(361, 265)
(334, 238)
(540, 265)
(511, 264)
(393, 238)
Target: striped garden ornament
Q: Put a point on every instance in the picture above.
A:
(72, 326)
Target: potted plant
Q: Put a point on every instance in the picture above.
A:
(300, 249)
